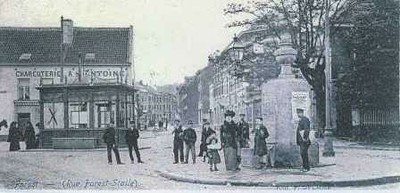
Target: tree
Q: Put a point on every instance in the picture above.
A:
(304, 20)
(366, 81)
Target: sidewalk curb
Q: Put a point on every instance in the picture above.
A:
(367, 148)
(79, 150)
(317, 183)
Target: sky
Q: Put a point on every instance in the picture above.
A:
(173, 38)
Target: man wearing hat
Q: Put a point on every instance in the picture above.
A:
(178, 142)
(243, 132)
(109, 139)
(205, 133)
(302, 138)
(131, 138)
(229, 141)
(204, 136)
(189, 137)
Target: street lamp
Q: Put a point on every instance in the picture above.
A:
(237, 50)
(236, 54)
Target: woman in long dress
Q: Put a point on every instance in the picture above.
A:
(229, 141)
(30, 137)
(14, 136)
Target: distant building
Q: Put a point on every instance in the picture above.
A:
(188, 100)
(154, 106)
(242, 94)
(205, 79)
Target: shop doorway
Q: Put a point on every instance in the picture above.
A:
(23, 119)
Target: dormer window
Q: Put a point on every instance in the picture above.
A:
(90, 56)
(25, 57)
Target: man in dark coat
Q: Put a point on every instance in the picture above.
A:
(260, 145)
(206, 133)
(109, 139)
(303, 138)
(243, 132)
(190, 137)
(131, 138)
(203, 145)
(178, 142)
(230, 142)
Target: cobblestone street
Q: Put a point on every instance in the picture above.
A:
(88, 169)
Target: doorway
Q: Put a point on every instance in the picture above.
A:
(23, 119)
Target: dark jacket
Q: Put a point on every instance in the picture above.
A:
(243, 132)
(109, 135)
(189, 136)
(304, 124)
(178, 134)
(260, 145)
(131, 136)
(14, 134)
(229, 134)
(30, 137)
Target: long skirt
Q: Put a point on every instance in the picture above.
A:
(230, 155)
(14, 145)
(213, 156)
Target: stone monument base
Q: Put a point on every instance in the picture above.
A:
(286, 156)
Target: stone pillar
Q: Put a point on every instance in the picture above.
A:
(280, 98)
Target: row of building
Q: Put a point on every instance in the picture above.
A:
(155, 107)
(365, 80)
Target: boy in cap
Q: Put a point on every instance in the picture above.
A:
(178, 142)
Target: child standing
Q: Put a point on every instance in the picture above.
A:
(212, 152)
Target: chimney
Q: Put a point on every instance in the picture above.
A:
(67, 28)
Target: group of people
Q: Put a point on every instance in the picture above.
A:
(18, 133)
(131, 139)
(233, 137)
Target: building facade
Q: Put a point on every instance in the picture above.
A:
(33, 57)
(188, 99)
(155, 107)
(240, 90)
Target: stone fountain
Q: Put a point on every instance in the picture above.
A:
(280, 98)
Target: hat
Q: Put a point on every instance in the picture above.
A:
(204, 120)
(206, 123)
(299, 110)
(177, 120)
(242, 114)
(259, 118)
(229, 113)
(190, 122)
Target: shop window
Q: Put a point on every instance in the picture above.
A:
(79, 115)
(23, 89)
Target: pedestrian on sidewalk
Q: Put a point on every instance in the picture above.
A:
(30, 136)
(243, 132)
(203, 145)
(212, 151)
(303, 138)
(131, 138)
(189, 137)
(207, 132)
(260, 145)
(229, 141)
(109, 139)
(14, 136)
(178, 142)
